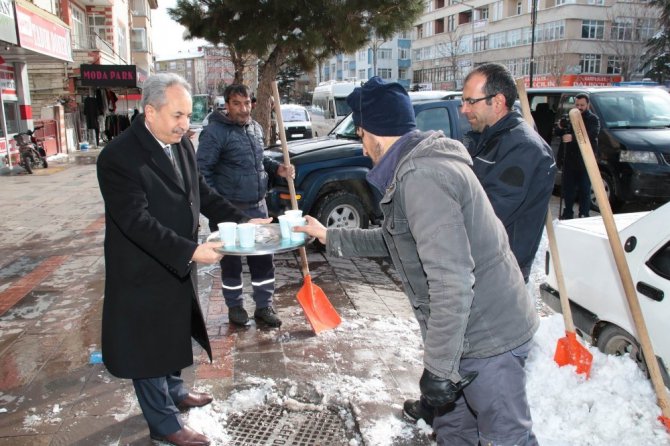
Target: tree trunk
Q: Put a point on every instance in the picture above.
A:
(267, 73)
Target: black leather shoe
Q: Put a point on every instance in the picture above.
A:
(184, 437)
(414, 410)
(238, 316)
(195, 399)
(268, 316)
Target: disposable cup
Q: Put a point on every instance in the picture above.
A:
(297, 236)
(246, 233)
(284, 227)
(228, 233)
(297, 213)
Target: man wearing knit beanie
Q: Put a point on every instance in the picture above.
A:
(456, 266)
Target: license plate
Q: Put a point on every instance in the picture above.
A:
(297, 135)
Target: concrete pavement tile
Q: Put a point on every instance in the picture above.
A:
(21, 361)
(27, 440)
(135, 432)
(89, 430)
(267, 364)
(104, 394)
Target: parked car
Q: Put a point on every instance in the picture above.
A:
(597, 299)
(634, 139)
(297, 122)
(330, 170)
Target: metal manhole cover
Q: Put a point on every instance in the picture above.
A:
(275, 425)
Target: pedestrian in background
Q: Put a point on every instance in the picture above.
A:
(153, 198)
(458, 271)
(231, 158)
(575, 182)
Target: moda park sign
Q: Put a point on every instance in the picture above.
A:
(108, 75)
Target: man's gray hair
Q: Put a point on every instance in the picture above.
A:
(153, 90)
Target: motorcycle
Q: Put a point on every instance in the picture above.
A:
(31, 152)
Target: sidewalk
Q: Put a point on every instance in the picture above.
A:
(345, 386)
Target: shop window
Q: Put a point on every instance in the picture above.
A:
(11, 117)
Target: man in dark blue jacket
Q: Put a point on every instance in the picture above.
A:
(230, 157)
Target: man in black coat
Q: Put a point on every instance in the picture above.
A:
(153, 197)
(575, 182)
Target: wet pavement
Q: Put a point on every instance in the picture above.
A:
(51, 293)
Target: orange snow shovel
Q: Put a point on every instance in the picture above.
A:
(569, 351)
(622, 265)
(315, 304)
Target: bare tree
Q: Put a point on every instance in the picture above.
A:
(626, 37)
(553, 60)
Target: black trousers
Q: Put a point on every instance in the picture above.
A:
(158, 398)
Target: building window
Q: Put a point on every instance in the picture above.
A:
(419, 31)
(518, 8)
(614, 64)
(597, 2)
(480, 42)
(565, 2)
(123, 42)
(138, 39)
(78, 27)
(484, 14)
(451, 23)
(646, 28)
(439, 4)
(11, 117)
(361, 74)
(96, 25)
(384, 53)
(138, 7)
(590, 63)
(403, 73)
(622, 28)
(384, 73)
(403, 53)
(47, 5)
(593, 29)
(363, 55)
(439, 26)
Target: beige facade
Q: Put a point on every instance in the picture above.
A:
(602, 40)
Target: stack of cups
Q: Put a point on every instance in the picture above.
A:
(288, 221)
(233, 234)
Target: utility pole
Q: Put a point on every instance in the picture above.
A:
(533, 22)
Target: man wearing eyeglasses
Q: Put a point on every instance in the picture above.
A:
(458, 272)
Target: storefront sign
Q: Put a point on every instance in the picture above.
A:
(7, 83)
(575, 80)
(108, 75)
(42, 36)
(7, 22)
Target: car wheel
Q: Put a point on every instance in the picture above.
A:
(342, 210)
(610, 192)
(618, 342)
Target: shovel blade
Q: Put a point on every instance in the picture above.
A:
(317, 308)
(569, 351)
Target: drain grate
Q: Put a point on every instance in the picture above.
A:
(275, 425)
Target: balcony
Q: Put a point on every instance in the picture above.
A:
(92, 42)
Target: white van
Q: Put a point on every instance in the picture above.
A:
(597, 298)
(329, 104)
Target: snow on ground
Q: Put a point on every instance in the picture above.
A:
(615, 406)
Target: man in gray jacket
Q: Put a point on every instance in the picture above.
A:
(458, 271)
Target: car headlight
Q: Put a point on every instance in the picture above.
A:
(631, 156)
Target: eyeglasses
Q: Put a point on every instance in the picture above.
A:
(473, 101)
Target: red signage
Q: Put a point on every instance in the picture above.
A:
(7, 82)
(108, 75)
(575, 80)
(42, 36)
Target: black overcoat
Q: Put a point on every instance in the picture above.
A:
(151, 309)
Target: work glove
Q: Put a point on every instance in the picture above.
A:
(442, 391)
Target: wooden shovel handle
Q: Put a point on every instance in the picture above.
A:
(287, 161)
(619, 258)
(549, 224)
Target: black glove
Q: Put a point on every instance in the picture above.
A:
(442, 391)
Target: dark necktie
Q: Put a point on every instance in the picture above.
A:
(170, 154)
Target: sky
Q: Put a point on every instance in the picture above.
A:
(167, 34)
(615, 406)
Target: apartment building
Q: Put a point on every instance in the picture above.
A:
(388, 59)
(189, 64)
(572, 42)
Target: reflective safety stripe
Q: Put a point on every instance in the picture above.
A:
(265, 282)
(238, 287)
